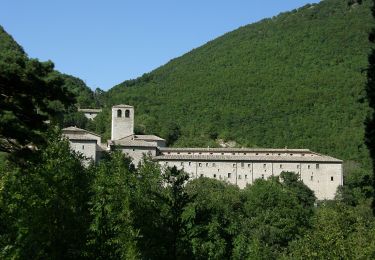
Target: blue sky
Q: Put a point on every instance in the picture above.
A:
(107, 42)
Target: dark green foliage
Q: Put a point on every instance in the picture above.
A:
(43, 206)
(212, 218)
(27, 88)
(338, 232)
(370, 94)
(273, 216)
(112, 235)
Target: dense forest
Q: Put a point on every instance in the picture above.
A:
(295, 80)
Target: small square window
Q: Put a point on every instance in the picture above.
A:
(229, 175)
(331, 178)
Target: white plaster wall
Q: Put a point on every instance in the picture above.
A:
(245, 173)
(85, 147)
(137, 153)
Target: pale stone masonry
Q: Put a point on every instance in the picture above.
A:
(240, 166)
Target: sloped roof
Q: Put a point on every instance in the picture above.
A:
(239, 150)
(132, 143)
(271, 158)
(89, 110)
(122, 106)
(149, 137)
(75, 133)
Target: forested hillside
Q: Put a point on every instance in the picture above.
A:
(84, 95)
(294, 80)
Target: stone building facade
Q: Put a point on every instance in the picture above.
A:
(241, 166)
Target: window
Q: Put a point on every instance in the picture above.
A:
(262, 176)
(331, 178)
(239, 177)
(206, 164)
(312, 178)
(200, 165)
(215, 176)
(242, 164)
(229, 174)
(267, 154)
(213, 164)
(249, 165)
(200, 153)
(244, 153)
(234, 165)
(201, 175)
(127, 113)
(119, 113)
(133, 150)
(279, 154)
(281, 166)
(83, 147)
(245, 176)
(308, 166)
(264, 165)
(256, 154)
(317, 166)
(189, 163)
(182, 164)
(178, 152)
(297, 166)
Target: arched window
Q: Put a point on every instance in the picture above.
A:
(119, 113)
(127, 113)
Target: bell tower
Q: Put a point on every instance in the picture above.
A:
(122, 121)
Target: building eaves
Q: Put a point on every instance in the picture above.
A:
(248, 158)
(240, 150)
(122, 106)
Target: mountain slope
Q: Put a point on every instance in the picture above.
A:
(294, 80)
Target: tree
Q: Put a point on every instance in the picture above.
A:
(212, 218)
(27, 87)
(370, 94)
(112, 235)
(43, 206)
(272, 217)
